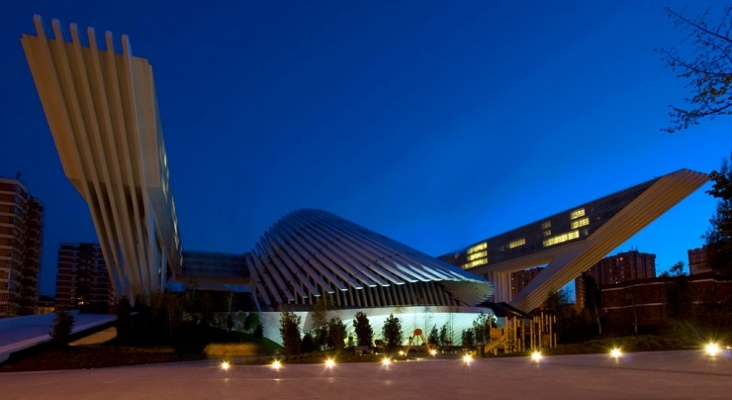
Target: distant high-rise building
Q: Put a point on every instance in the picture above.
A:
(622, 267)
(520, 279)
(699, 260)
(21, 240)
(83, 279)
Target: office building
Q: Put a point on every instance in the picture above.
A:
(21, 240)
(83, 280)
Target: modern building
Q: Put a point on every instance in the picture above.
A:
(571, 241)
(699, 260)
(102, 110)
(21, 240)
(83, 280)
(622, 267)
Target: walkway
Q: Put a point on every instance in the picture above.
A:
(658, 375)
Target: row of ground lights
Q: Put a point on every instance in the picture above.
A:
(712, 349)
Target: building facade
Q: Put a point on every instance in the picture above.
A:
(83, 279)
(570, 242)
(699, 260)
(622, 267)
(102, 111)
(21, 240)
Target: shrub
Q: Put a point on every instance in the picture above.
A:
(62, 327)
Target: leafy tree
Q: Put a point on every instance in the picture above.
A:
(251, 322)
(719, 234)
(336, 333)
(707, 69)
(308, 344)
(320, 319)
(258, 331)
(443, 335)
(290, 332)
(468, 338)
(364, 333)
(62, 327)
(392, 332)
(482, 328)
(434, 337)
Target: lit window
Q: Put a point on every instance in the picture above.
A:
(580, 222)
(517, 243)
(477, 255)
(475, 263)
(546, 224)
(564, 237)
(577, 213)
(478, 247)
(548, 232)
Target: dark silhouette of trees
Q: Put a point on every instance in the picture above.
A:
(392, 332)
(336, 333)
(62, 327)
(707, 68)
(593, 298)
(290, 332)
(364, 333)
(468, 338)
(443, 335)
(719, 234)
(434, 337)
(482, 328)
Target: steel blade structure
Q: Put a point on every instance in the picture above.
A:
(311, 253)
(102, 110)
(571, 242)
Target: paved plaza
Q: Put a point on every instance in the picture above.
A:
(657, 375)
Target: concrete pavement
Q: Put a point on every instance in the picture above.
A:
(656, 375)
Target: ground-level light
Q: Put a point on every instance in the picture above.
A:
(616, 353)
(386, 361)
(536, 356)
(330, 363)
(225, 365)
(467, 359)
(712, 349)
(276, 365)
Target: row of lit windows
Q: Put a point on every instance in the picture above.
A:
(564, 237)
(517, 243)
(577, 213)
(475, 263)
(478, 247)
(477, 255)
(580, 222)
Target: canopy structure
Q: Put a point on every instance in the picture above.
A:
(311, 253)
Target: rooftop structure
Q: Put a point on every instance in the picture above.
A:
(311, 253)
(571, 241)
(102, 110)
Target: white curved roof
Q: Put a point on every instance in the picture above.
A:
(308, 253)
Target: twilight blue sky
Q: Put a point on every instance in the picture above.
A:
(435, 123)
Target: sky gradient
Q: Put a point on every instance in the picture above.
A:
(437, 124)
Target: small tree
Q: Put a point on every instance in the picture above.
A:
(392, 332)
(719, 234)
(482, 328)
(320, 320)
(468, 338)
(336, 333)
(593, 297)
(62, 327)
(290, 332)
(258, 331)
(308, 344)
(434, 337)
(364, 333)
(443, 335)
(251, 322)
